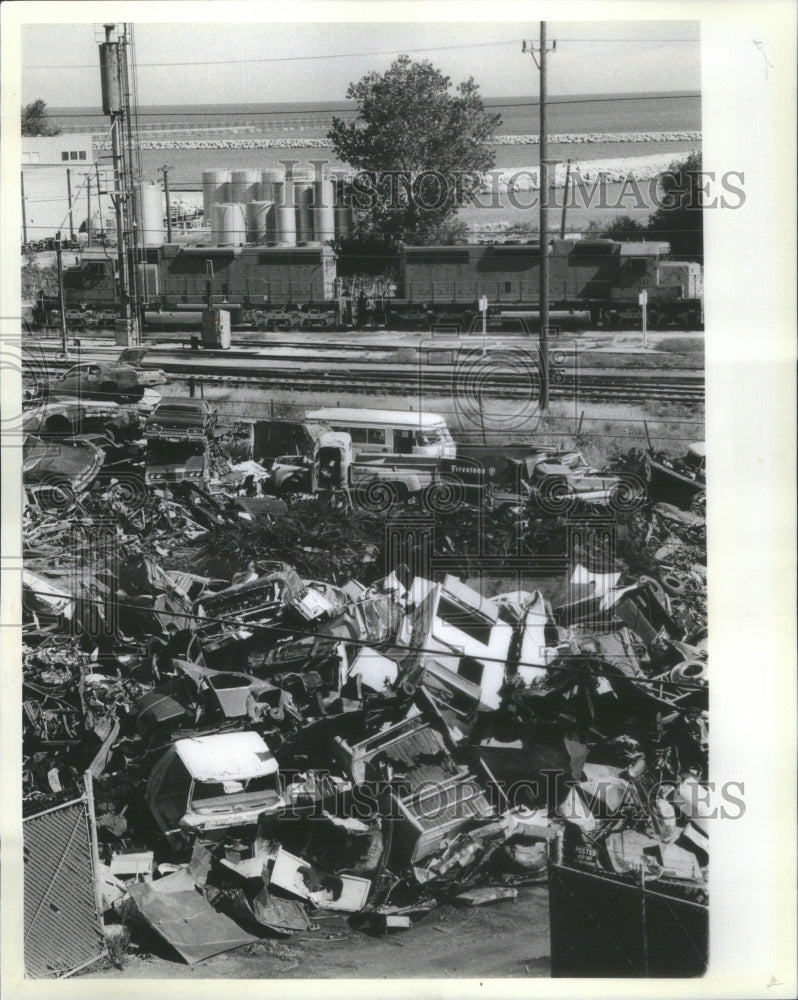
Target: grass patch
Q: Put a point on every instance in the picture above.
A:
(682, 345)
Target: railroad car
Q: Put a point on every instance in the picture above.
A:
(600, 277)
(591, 282)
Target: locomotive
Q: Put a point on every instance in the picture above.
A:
(592, 282)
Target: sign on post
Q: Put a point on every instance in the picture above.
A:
(642, 298)
(483, 308)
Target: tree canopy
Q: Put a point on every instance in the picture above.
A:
(35, 120)
(415, 143)
(680, 219)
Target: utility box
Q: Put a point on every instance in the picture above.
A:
(123, 332)
(216, 328)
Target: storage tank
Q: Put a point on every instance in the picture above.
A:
(260, 222)
(342, 210)
(303, 193)
(152, 215)
(229, 224)
(324, 210)
(215, 188)
(269, 179)
(244, 186)
(285, 214)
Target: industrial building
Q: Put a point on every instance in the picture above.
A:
(58, 173)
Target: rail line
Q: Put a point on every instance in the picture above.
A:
(359, 378)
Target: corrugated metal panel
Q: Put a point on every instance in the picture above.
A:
(63, 929)
(48, 149)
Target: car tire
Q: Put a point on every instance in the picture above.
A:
(109, 389)
(673, 584)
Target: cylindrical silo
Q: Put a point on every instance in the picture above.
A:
(230, 224)
(303, 194)
(324, 210)
(269, 179)
(244, 186)
(260, 222)
(285, 214)
(152, 215)
(214, 191)
(343, 209)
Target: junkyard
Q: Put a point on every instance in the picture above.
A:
(299, 705)
(364, 603)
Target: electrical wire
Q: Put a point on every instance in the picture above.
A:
(353, 108)
(384, 52)
(288, 631)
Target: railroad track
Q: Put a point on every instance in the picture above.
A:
(469, 381)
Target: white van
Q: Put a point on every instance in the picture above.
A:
(390, 432)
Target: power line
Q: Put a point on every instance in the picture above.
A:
(614, 98)
(288, 631)
(383, 52)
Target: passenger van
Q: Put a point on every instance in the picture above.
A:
(390, 432)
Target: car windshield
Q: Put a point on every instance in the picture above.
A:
(430, 436)
(213, 794)
(78, 370)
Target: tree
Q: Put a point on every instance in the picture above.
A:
(35, 120)
(680, 220)
(418, 148)
(623, 227)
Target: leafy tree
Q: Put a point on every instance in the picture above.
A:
(680, 220)
(623, 227)
(418, 148)
(35, 120)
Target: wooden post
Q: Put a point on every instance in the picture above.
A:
(62, 307)
(24, 213)
(69, 202)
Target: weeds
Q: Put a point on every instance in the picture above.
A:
(118, 946)
(682, 345)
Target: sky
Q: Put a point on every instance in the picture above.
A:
(231, 63)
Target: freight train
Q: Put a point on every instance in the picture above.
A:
(592, 282)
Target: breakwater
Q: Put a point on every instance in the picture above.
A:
(252, 141)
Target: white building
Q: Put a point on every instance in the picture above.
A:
(51, 165)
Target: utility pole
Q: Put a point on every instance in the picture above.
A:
(88, 210)
(112, 105)
(61, 306)
(24, 213)
(165, 171)
(116, 103)
(132, 175)
(544, 217)
(565, 199)
(69, 202)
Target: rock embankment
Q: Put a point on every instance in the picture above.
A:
(249, 141)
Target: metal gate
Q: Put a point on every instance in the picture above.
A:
(606, 927)
(63, 926)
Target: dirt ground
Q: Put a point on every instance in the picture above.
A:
(500, 940)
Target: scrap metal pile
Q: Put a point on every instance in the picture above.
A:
(281, 718)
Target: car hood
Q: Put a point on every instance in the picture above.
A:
(45, 461)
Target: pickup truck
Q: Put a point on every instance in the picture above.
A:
(377, 482)
(554, 479)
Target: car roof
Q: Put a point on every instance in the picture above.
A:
(394, 418)
(699, 448)
(226, 757)
(188, 403)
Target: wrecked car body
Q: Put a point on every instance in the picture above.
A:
(212, 784)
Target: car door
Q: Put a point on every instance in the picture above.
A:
(168, 792)
(73, 380)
